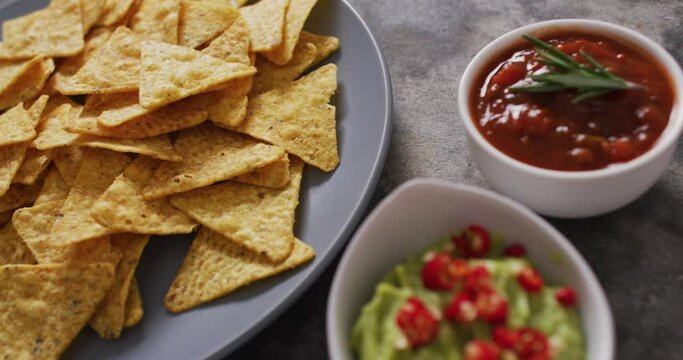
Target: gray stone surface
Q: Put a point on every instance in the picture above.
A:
(636, 252)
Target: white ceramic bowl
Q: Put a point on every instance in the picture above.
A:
(420, 212)
(563, 193)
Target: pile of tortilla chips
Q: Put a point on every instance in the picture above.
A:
(122, 119)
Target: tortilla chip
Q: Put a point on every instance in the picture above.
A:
(210, 155)
(123, 208)
(233, 44)
(54, 188)
(34, 163)
(171, 72)
(157, 20)
(36, 109)
(275, 175)
(158, 147)
(28, 85)
(68, 160)
(202, 21)
(297, 13)
(234, 3)
(12, 247)
(114, 11)
(115, 109)
(17, 126)
(33, 225)
(55, 31)
(92, 10)
(70, 66)
(52, 130)
(215, 267)
(17, 196)
(44, 307)
(258, 218)
(97, 173)
(18, 77)
(108, 319)
(228, 110)
(11, 158)
(298, 118)
(271, 76)
(326, 45)
(113, 67)
(266, 20)
(134, 310)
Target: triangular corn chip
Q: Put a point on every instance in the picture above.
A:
(44, 307)
(298, 118)
(158, 147)
(271, 76)
(258, 218)
(28, 85)
(275, 175)
(54, 187)
(171, 72)
(326, 45)
(233, 44)
(68, 160)
(55, 31)
(97, 173)
(52, 129)
(228, 110)
(17, 196)
(201, 21)
(157, 20)
(34, 163)
(210, 155)
(123, 208)
(266, 20)
(113, 67)
(108, 319)
(134, 310)
(297, 13)
(92, 11)
(215, 267)
(114, 11)
(11, 158)
(234, 3)
(115, 109)
(38, 107)
(70, 66)
(12, 247)
(17, 126)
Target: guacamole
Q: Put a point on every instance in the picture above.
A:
(492, 305)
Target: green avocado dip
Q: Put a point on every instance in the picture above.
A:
(468, 298)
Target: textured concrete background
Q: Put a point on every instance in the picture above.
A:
(637, 252)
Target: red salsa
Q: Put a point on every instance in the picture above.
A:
(548, 130)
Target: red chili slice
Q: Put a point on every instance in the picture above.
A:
(491, 306)
(442, 272)
(474, 242)
(481, 350)
(504, 337)
(530, 280)
(417, 323)
(532, 345)
(515, 250)
(478, 277)
(461, 309)
(566, 297)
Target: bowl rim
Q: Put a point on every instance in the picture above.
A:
(666, 139)
(596, 292)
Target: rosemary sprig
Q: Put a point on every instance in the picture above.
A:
(567, 73)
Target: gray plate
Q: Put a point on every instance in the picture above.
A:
(331, 206)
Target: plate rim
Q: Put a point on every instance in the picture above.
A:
(343, 237)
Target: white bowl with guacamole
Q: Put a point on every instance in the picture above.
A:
(385, 303)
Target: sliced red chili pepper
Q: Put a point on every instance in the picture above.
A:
(461, 309)
(478, 277)
(481, 350)
(491, 306)
(504, 337)
(566, 296)
(474, 242)
(515, 250)
(532, 345)
(442, 272)
(530, 280)
(417, 323)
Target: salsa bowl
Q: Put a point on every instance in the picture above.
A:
(423, 210)
(572, 194)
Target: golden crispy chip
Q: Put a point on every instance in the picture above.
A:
(123, 208)
(12, 247)
(215, 267)
(70, 66)
(201, 21)
(234, 3)
(44, 307)
(33, 225)
(297, 13)
(228, 110)
(298, 118)
(68, 161)
(17, 126)
(17, 196)
(134, 310)
(275, 175)
(171, 72)
(233, 44)
(258, 218)
(326, 45)
(210, 154)
(54, 188)
(114, 11)
(11, 158)
(177, 116)
(113, 67)
(97, 173)
(52, 130)
(158, 147)
(266, 20)
(92, 11)
(36, 109)
(34, 163)
(55, 31)
(114, 109)
(28, 85)
(157, 20)
(271, 76)
(15, 76)
(54, 101)
(108, 319)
